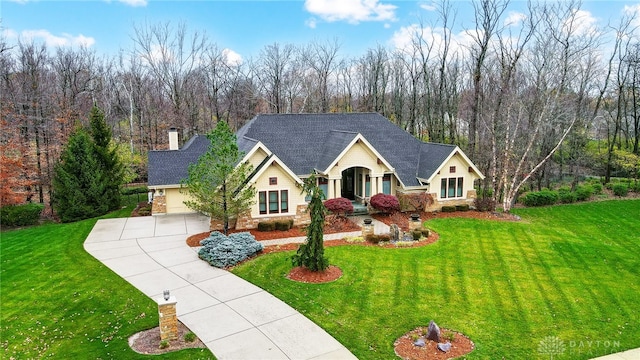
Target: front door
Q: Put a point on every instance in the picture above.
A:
(348, 177)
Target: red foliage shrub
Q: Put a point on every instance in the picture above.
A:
(385, 203)
(339, 206)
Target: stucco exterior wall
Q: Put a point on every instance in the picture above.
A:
(462, 170)
(358, 155)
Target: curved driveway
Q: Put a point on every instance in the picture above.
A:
(234, 318)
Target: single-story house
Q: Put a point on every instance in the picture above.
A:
(353, 155)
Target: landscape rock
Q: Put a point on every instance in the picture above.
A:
(420, 342)
(394, 232)
(433, 331)
(445, 347)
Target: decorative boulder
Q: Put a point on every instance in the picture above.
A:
(444, 347)
(433, 331)
(394, 232)
(420, 342)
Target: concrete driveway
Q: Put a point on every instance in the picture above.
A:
(234, 318)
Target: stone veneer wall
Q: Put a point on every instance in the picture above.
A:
(438, 204)
(246, 222)
(159, 205)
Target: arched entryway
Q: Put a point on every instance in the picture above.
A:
(356, 184)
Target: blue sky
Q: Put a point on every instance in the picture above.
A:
(244, 26)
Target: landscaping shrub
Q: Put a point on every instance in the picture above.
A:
(597, 188)
(566, 196)
(376, 239)
(620, 189)
(635, 187)
(484, 204)
(426, 232)
(266, 226)
(464, 207)
(584, 192)
(339, 206)
(223, 251)
(134, 190)
(20, 215)
(385, 203)
(417, 234)
(540, 198)
(448, 209)
(414, 201)
(282, 225)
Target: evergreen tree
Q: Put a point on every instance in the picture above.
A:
(107, 158)
(310, 254)
(217, 182)
(78, 186)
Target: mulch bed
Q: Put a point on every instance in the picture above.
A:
(305, 275)
(148, 341)
(404, 348)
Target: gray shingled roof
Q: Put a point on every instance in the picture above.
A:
(169, 167)
(305, 142)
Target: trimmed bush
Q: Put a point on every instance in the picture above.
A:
(224, 251)
(20, 215)
(566, 196)
(376, 239)
(597, 188)
(540, 198)
(426, 232)
(266, 226)
(635, 187)
(584, 192)
(464, 207)
(282, 225)
(620, 189)
(417, 234)
(484, 204)
(339, 206)
(385, 203)
(448, 209)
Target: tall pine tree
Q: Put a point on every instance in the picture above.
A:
(107, 158)
(78, 183)
(310, 254)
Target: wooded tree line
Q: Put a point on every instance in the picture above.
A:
(525, 100)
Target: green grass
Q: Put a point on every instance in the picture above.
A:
(570, 272)
(57, 301)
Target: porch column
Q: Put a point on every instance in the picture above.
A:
(364, 185)
(330, 189)
(378, 184)
(338, 187)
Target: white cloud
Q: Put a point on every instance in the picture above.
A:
(351, 11)
(20, 1)
(134, 3)
(311, 22)
(52, 40)
(514, 19)
(633, 11)
(581, 23)
(231, 57)
(404, 39)
(428, 6)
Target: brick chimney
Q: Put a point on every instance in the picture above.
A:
(173, 139)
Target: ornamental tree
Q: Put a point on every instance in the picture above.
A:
(339, 206)
(218, 182)
(310, 254)
(385, 203)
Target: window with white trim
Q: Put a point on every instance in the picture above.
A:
(451, 187)
(273, 201)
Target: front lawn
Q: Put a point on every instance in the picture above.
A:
(566, 272)
(57, 301)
